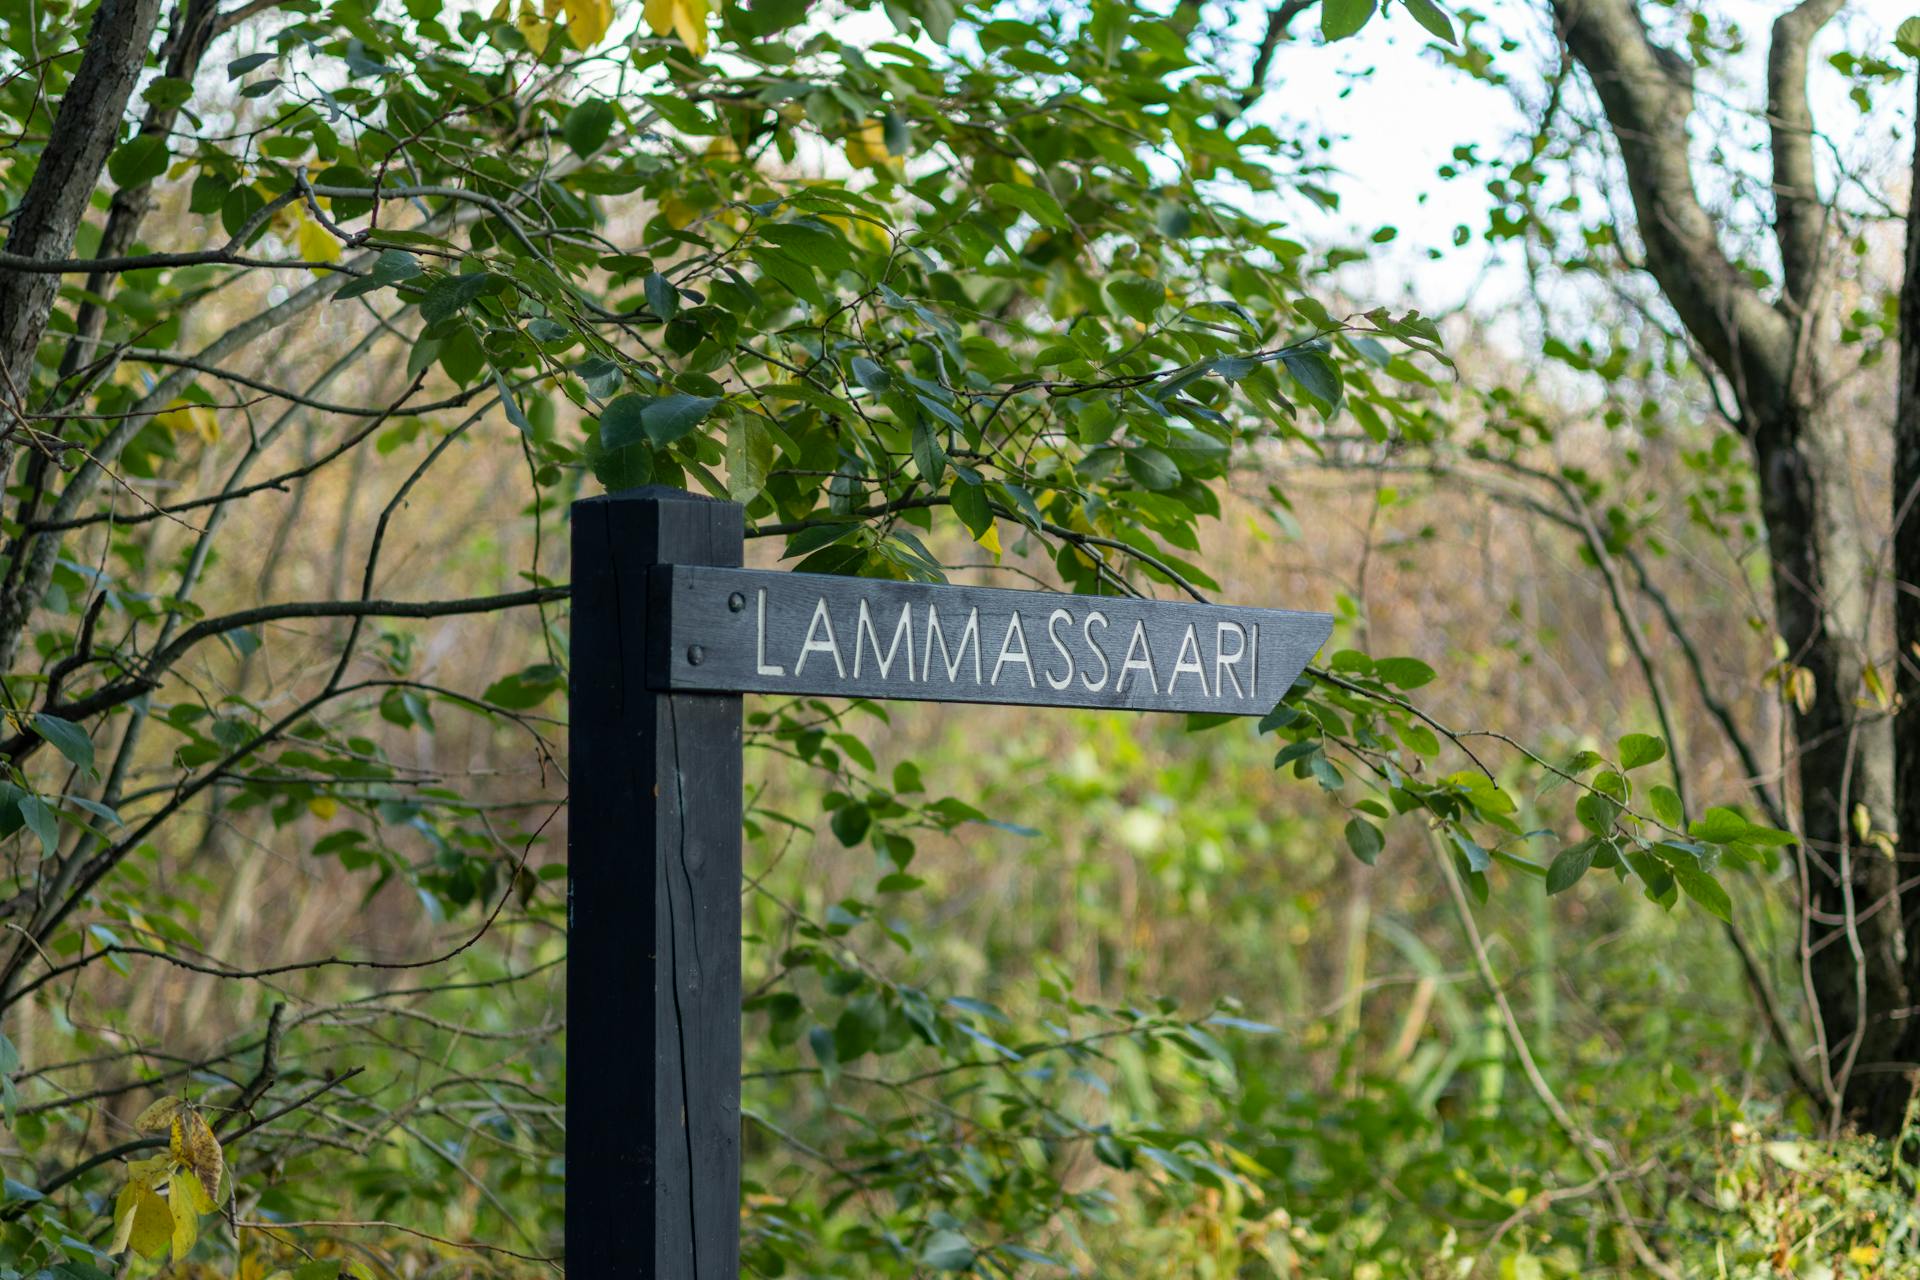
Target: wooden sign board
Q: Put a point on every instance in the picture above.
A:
(770, 632)
(668, 632)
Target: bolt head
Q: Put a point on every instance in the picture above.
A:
(696, 654)
(736, 602)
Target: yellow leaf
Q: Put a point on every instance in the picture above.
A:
(867, 146)
(193, 1145)
(158, 1117)
(323, 807)
(142, 1221)
(659, 16)
(151, 1172)
(587, 21)
(534, 29)
(186, 1223)
(991, 539)
(186, 418)
(685, 18)
(316, 243)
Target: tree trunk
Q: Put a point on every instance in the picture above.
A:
(1906, 610)
(189, 32)
(1861, 962)
(84, 132)
(1818, 551)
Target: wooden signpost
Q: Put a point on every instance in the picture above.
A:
(668, 633)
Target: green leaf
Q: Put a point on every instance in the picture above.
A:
(1043, 208)
(661, 419)
(1365, 840)
(947, 1251)
(820, 1040)
(749, 456)
(1282, 715)
(167, 92)
(859, 1028)
(1596, 813)
(1421, 740)
(588, 126)
(251, 62)
(323, 1269)
(1653, 873)
(873, 377)
(450, 294)
(970, 504)
(1316, 373)
(1907, 37)
(809, 240)
(1139, 298)
(1405, 673)
(1772, 837)
(392, 267)
(1151, 469)
(525, 689)
(139, 160)
(1637, 749)
(601, 376)
(796, 276)
(69, 739)
(1697, 883)
(623, 422)
(72, 1270)
(672, 416)
(929, 459)
(1342, 18)
(1432, 17)
(662, 298)
(1570, 864)
(1718, 825)
(40, 820)
(1665, 802)
(851, 823)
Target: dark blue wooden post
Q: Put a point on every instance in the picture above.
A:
(653, 936)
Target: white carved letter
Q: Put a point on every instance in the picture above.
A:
(1137, 643)
(969, 635)
(863, 629)
(1086, 633)
(1054, 619)
(1224, 662)
(762, 666)
(1189, 644)
(1007, 654)
(821, 621)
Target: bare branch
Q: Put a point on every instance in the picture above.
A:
(1647, 92)
(1800, 219)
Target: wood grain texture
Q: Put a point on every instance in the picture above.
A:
(772, 632)
(653, 989)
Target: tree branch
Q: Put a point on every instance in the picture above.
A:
(64, 179)
(1647, 93)
(1800, 219)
